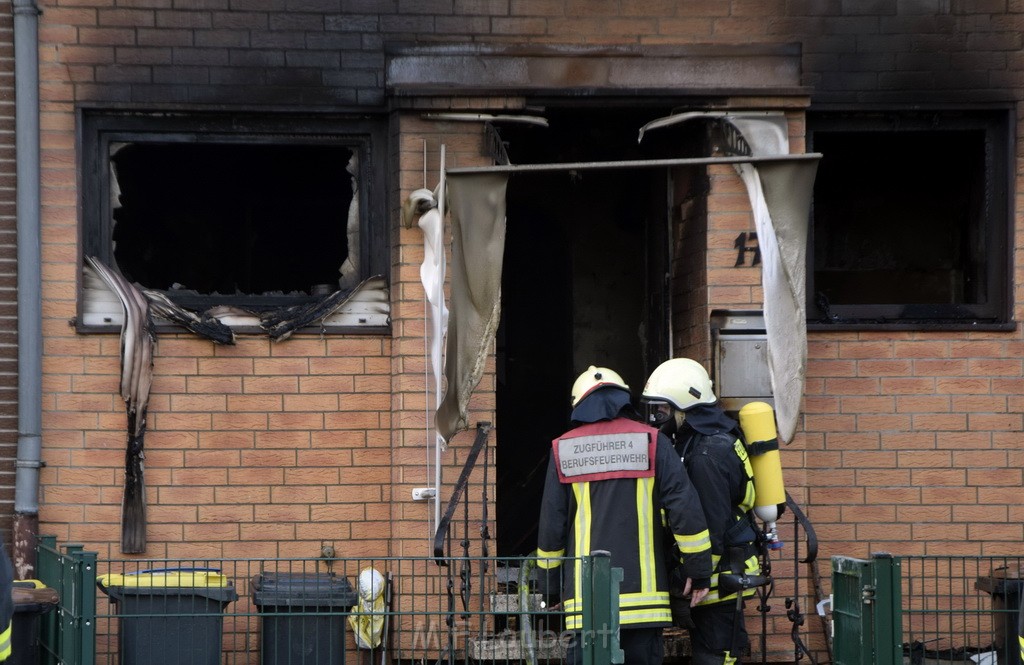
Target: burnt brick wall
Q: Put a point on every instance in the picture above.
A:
(913, 51)
(330, 53)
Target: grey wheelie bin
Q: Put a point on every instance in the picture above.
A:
(302, 617)
(171, 616)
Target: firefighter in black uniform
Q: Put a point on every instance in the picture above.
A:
(679, 399)
(611, 481)
(6, 603)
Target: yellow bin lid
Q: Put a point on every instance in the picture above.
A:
(29, 584)
(166, 578)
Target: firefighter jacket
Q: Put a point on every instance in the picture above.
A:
(716, 461)
(6, 604)
(607, 484)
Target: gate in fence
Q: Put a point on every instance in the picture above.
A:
(927, 610)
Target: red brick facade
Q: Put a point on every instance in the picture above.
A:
(909, 440)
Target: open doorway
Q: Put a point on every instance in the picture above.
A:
(585, 282)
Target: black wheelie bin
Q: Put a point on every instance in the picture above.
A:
(302, 617)
(169, 616)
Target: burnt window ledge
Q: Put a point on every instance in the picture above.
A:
(366, 311)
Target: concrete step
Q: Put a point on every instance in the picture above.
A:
(507, 646)
(508, 603)
(548, 646)
(677, 643)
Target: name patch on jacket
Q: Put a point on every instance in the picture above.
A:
(604, 456)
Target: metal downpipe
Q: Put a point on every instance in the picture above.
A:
(30, 357)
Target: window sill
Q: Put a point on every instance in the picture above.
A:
(366, 310)
(332, 330)
(934, 326)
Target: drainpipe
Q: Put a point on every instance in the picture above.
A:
(30, 357)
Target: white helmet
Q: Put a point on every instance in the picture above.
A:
(594, 378)
(681, 382)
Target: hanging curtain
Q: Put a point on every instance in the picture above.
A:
(428, 206)
(476, 204)
(780, 196)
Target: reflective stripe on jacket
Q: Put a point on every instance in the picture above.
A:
(6, 603)
(5, 642)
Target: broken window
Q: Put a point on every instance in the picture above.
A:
(244, 214)
(909, 222)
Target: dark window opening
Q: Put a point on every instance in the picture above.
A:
(909, 218)
(232, 219)
(252, 212)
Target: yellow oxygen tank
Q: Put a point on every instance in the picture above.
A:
(757, 420)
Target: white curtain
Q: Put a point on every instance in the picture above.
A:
(780, 196)
(432, 276)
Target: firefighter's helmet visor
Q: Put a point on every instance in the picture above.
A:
(657, 412)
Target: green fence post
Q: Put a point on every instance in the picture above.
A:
(886, 578)
(86, 609)
(599, 638)
(77, 637)
(48, 562)
(67, 642)
(587, 620)
(46, 559)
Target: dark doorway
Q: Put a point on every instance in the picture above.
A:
(584, 282)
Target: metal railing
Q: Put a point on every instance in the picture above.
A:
(927, 610)
(307, 612)
(461, 605)
(796, 587)
(962, 608)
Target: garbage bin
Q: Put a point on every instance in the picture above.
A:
(170, 616)
(1005, 586)
(32, 599)
(302, 617)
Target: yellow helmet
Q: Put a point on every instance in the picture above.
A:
(594, 378)
(681, 382)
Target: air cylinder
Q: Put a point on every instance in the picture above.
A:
(757, 420)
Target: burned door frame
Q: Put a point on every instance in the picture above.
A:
(519, 79)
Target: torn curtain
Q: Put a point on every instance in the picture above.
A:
(138, 340)
(432, 276)
(476, 203)
(780, 196)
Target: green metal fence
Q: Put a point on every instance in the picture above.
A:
(68, 633)
(298, 611)
(927, 610)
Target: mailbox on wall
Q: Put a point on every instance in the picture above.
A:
(740, 358)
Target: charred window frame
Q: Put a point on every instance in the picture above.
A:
(269, 200)
(910, 224)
